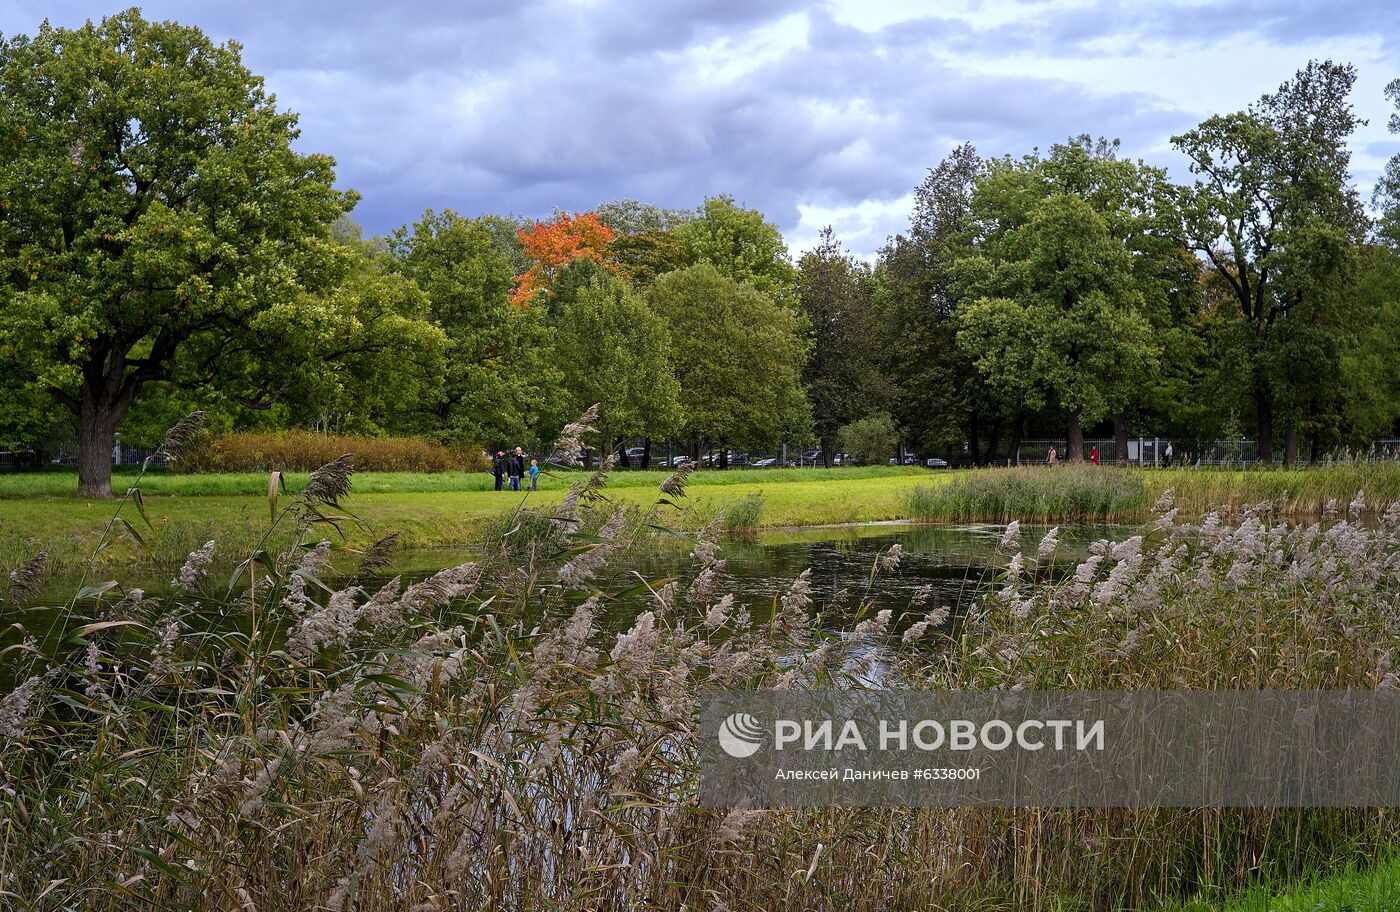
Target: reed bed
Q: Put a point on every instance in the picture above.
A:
(1090, 494)
(288, 740)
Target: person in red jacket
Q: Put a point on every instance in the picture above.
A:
(1094, 455)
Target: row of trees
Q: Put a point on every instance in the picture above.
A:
(164, 247)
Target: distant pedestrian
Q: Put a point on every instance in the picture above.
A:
(1094, 455)
(1169, 452)
(498, 468)
(515, 468)
(534, 474)
(1052, 457)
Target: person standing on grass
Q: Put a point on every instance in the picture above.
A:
(1094, 455)
(1169, 453)
(498, 468)
(1052, 457)
(534, 474)
(515, 468)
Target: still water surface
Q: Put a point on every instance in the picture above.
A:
(957, 562)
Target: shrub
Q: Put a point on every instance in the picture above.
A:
(292, 451)
(870, 440)
(743, 514)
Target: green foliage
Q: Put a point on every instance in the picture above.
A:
(1064, 494)
(736, 354)
(843, 377)
(152, 202)
(1358, 888)
(1278, 219)
(613, 351)
(1057, 312)
(934, 385)
(871, 440)
(500, 381)
(741, 244)
(631, 217)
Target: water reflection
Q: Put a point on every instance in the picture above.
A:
(955, 562)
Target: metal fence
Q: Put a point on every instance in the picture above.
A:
(18, 456)
(1152, 451)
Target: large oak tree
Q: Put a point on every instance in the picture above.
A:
(149, 196)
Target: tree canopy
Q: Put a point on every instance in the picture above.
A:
(151, 199)
(736, 354)
(166, 246)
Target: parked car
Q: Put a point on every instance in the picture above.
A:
(933, 462)
(767, 463)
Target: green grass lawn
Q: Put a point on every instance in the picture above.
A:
(39, 512)
(1375, 890)
(63, 483)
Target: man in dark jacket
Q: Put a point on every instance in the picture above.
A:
(498, 468)
(515, 468)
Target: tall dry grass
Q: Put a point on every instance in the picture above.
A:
(302, 451)
(284, 740)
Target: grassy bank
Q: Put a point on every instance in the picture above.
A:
(38, 511)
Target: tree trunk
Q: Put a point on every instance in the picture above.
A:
(828, 449)
(1120, 438)
(992, 442)
(97, 433)
(1074, 439)
(1264, 414)
(974, 437)
(1290, 444)
(1316, 449)
(724, 457)
(622, 453)
(100, 411)
(646, 452)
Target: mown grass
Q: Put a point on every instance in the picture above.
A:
(64, 482)
(37, 511)
(427, 510)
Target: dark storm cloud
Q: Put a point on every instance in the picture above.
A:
(523, 107)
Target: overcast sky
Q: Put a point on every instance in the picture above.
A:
(815, 113)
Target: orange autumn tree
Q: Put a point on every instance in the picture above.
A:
(553, 245)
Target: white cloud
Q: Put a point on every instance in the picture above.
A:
(816, 113)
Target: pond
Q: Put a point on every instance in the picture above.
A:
(956, 562)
